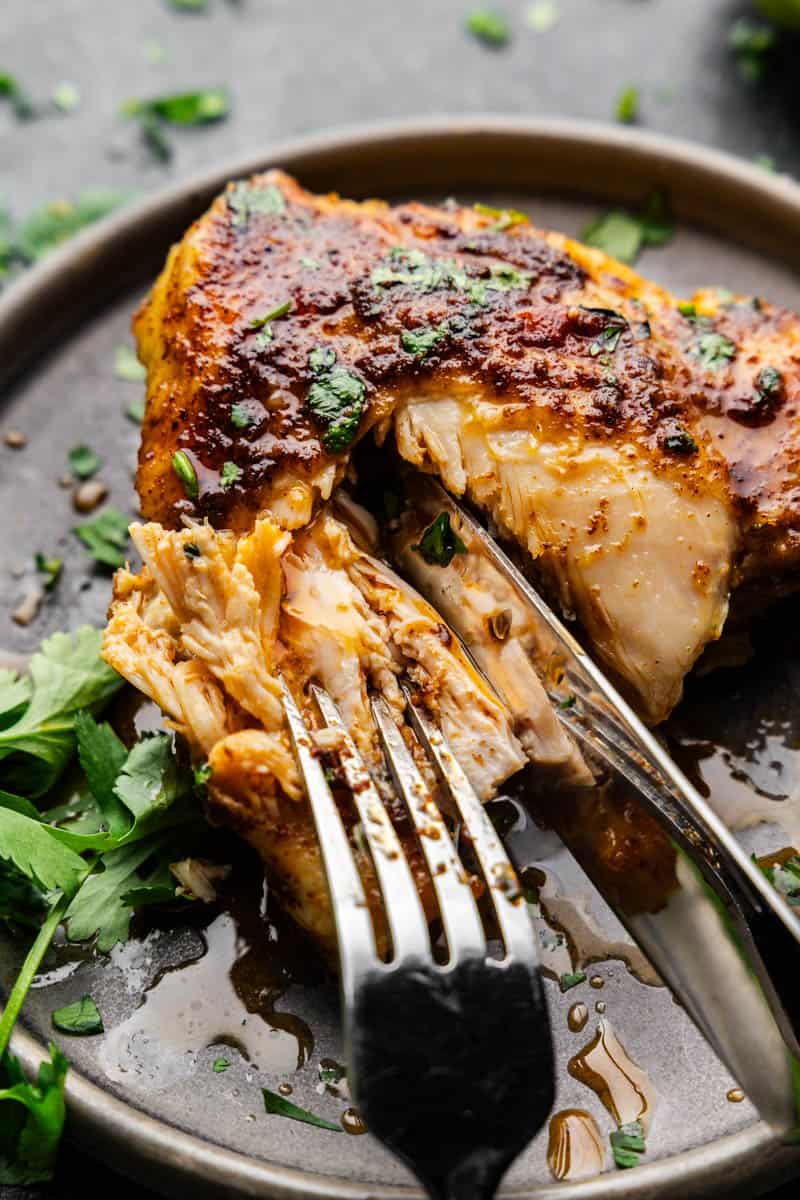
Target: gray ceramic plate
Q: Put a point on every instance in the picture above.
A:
(145, 1098)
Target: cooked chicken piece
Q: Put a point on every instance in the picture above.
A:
(210, 620)
(643, 451)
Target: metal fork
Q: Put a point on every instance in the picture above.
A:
(451, 1064)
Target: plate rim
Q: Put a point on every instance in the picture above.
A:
(116, 1131)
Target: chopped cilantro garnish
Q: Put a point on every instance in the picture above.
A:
(219, 1065)
(265, 323)
(622, 234)
(627, 1144)
(244, 199)
(183, 467)
(12, 89)
(420, 342)
(79, 1018)
(127, 365)
(51, 568)
(439, 542)
(488, 26)
(680, 442)
(280, 1107)
(504, 218)
(336, 398)
(84, 462)
(52, 224)
(568, 702)
(183, 108)
(607, 341)
(202, 774)
(105, 537)
(627, 107)
(229, 475)
(321, 359)
(241, 415)
(714, 350)
(687, 309)
(416, 270)
(572, 980)
(751, 42)
(189, 5)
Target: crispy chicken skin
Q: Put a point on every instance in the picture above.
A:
(645, 453)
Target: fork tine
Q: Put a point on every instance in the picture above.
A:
(354, 931)
(512, 915)
(462, 923)
(404, 913)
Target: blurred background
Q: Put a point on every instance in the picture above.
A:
(100, 101)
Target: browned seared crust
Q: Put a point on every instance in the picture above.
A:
(534, 343)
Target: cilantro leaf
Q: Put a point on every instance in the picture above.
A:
(714, 350)
(99, 907)
(127, 365)
(45, 862)
(79, 1018)
(488, 26)
(420, 342)
(219, 1065)
(439, 542)
(66, 674)
(50, 567)
(32, 1119)
(244, 199)
(229, 475)
(15, 692)
(151, 782)
(242, 416)
(12, 89)
(617, 233)
(568, 981)
(183, 108)
(281, 1107)
(84, 462)
(622, 234)
(627, 1144)
(627, 108)
(105, 537)
(102, 757)
(336, 398)
(52, 224)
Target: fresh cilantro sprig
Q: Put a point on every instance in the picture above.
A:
(85, 865)
(202, 107)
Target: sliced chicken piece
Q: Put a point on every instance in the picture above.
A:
(212, 618)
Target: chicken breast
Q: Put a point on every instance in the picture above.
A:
(213, 617)
(644, 451)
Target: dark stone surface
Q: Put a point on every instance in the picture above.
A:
(300, 65)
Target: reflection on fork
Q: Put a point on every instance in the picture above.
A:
(427, 1043)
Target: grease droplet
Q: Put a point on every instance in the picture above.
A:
(352, 1122)
(285, 1089)
(577, 1017)
(600, 1007)
(735, 1095)
(597, 982)
(575, 1147)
